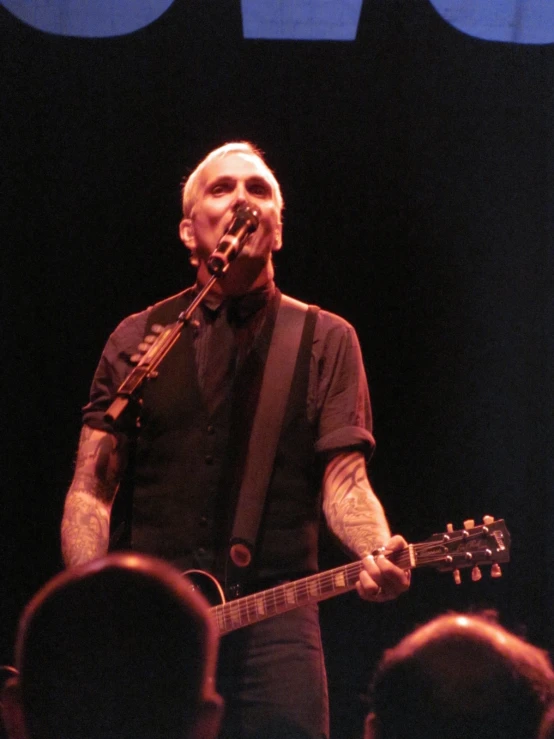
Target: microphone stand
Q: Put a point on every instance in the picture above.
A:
(245, 222)
(146, 369)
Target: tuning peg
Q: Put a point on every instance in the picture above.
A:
(476, 574)
(457, 577)
(487, 520)
(495, 570)
(469, 524)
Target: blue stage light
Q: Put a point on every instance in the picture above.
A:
(88, 18)
(302, 20)
(516, 21)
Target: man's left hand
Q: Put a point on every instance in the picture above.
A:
(381, 580)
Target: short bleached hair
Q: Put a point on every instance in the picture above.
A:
(191, 183)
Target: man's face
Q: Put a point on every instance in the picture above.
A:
(236, 179)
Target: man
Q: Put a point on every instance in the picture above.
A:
(189, 452)
(461, 676)
(119, 647)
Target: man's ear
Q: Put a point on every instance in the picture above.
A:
(12, 710)
(208, 720)
(278, 237)
(370, 726)
(186, 232)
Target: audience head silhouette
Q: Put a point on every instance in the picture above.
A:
(120, 647)
(461, 676)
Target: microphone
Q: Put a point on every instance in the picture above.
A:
(230, 245)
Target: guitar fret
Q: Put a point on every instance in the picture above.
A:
(247, 612)
(228, 620)
(270, 602)
(290, 594)
(234, 611)
(313, 587)
(260, 605)
(280, 598)
(301, 593)
(253, 610)
(220, 616)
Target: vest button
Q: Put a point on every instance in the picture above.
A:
(209, 459)
(210, 430)
(203, 521)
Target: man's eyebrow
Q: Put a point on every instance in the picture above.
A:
(255, 179)
(221, 178)
(259, 179)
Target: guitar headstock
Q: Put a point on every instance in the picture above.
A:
(473, 546)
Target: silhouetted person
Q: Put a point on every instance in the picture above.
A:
(460, 677)
(121, 647)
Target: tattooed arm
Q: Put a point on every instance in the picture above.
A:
(86, 518)
(355, 515)
(353, 511)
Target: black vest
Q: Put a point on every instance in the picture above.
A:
(188, 463)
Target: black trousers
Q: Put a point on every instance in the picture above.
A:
(272, 677)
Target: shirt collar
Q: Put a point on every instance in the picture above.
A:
(242, 307)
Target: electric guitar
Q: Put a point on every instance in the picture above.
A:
(451, 551)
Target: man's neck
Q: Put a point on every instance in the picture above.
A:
(239, 280)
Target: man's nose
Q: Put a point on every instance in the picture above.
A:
(241, 194)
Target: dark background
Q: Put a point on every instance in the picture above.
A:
(417, 168)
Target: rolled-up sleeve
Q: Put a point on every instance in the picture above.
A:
(339, 394)
(112, 369)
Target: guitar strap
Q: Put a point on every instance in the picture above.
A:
(294, 327)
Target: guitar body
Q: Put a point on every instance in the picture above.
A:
(450, 551)
(206, 584)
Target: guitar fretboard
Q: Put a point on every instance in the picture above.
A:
(294, 594)
(450, 551)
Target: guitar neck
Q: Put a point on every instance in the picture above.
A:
(447, 552)
(296, 593)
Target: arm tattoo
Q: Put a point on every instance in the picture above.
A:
(86, 519)
(353, 511)
(99, 464)
(85, 529)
